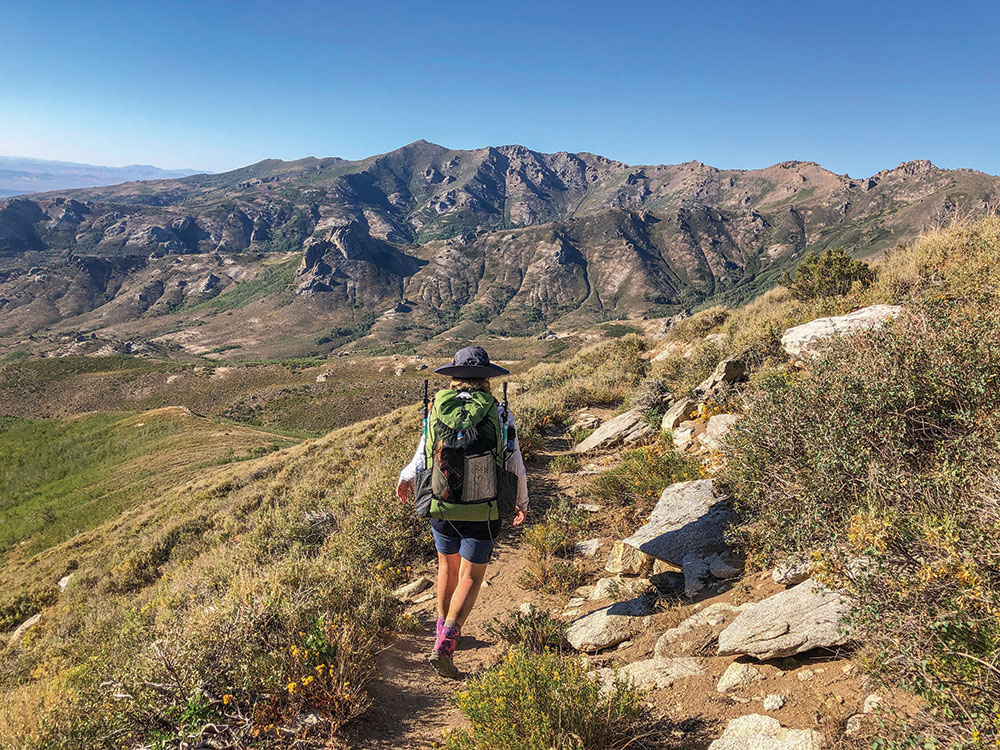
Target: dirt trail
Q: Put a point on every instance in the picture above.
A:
(412, 706)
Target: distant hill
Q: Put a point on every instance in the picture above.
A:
(20, 175)
(288, 258)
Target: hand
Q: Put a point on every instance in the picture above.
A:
(519, 517)
(404, 489)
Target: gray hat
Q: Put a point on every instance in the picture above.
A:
(472, 362)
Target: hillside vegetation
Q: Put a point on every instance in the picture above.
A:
(254, 595)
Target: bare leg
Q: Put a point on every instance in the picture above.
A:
(448, 576)
(470, 580)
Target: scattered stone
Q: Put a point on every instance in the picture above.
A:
(413, 589)
(805, 675)
(716, 430)
(429, 597)
(588, 507)
(584, 592)
(674, 350)
(719, 339)
(758, 732)
(618, 588)
(719, 613)
(737, 676)
(696, 572)
(660, 673)
(322, 377)
(798, 619)
(64, 582)
(585, 421)
(802, 341)
(399, 370)
(609, 626)
(774, 702)
(853, 726)
(690, 518)
(720, 568)
(726, 372)
(790, 571)
(682, 438)
(24, 626)
(623, 644)
(627, 560)
(527, 609)
(682, 410)
(627, 428)
(872, 703)
(587, 548)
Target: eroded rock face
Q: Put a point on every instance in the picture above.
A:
(681, 410)
(802, 341)
(628, 561)
(689, 519)
(609, 626)
(799, 619)
(726, 372)
(716, 430)
(757, 732)
(628, 428)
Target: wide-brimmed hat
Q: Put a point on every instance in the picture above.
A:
(472, 362)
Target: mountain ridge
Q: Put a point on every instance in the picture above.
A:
(423, 240)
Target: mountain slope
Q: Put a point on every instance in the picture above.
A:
(505, 238)
(20, 174)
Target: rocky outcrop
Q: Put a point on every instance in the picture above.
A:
(726, 372)
(795, 620)
(627, 560)
(716, 430)
(690, 518)
(628, 428)
(681, 410)
(802, 341)
(790, 571)
(757, 732)
(609, 626)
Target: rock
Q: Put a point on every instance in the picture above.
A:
(64, 582)
(587, 548)
(872, 703)
(774, 702)
(718, 339)
(23, 627)
(758, 732)
(660, 673)
(627, 560)
(798, 619)
(322, 377)
(720, 568)
(414, 588)
(690, 518)
(432, 595)
(585, 421)
(726, 372)
(609, 626)
(802, 341)
(527, 609)
(718, 613)
(804, 675)
(681, 410)
(588, 507)
(790, 571)
(716, 430)
(628, 428)
(584, 591)
(619, 588)
(674, 350)
(695, 575)
(853, 726)
(737, 676)
(399, 370)
(682, 438)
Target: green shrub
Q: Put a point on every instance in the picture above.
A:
(547, 702)
(16, 608)
(642, 475)
(564, 464)
(534, 630)
(829, 273)
(888, 453)
(549, 541)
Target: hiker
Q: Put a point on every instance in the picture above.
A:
(465, 531)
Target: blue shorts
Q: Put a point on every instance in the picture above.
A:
(473, 540)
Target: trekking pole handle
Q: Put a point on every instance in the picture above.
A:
(503, 424)
(426, 404)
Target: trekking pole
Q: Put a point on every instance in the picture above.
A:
(504, 423)
(427, 401)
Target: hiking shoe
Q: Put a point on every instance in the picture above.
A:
(444, 665)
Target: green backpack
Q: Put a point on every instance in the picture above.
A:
(465, 478)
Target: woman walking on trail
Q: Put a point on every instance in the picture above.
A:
(466, 430)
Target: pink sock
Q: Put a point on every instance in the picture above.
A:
(447, 640)
(440, 626)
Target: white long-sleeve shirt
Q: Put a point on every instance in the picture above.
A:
(515, 464)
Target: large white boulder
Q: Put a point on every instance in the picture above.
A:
(801, 341)
(757, 732)
(609, 626)
(798, 619)
(628, 428)
(690, 518)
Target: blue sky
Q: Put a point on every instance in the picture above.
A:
(858, 87)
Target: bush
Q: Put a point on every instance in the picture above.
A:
(827, 274)
(642, 475)
(547, 702)
(888, 454)
(548, 542)
(534, 630)
(564, 464)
